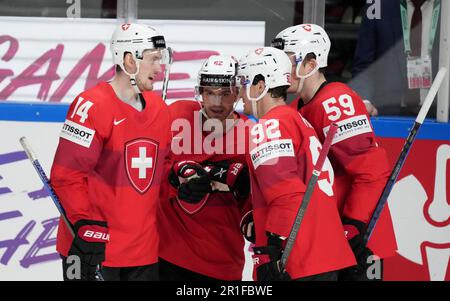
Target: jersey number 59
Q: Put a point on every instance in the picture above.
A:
(334, 108)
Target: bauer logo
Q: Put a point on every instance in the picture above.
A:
(93, 233)
(272, 150)
(350, 127)
(76, 133)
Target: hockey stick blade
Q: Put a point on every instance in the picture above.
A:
(40, 171)
(307, 196)
(403, 154)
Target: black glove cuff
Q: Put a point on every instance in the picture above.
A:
(361, 226)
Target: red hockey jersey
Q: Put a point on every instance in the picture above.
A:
(205, 238)
(281, 160)
(109, 167)
(360, 165)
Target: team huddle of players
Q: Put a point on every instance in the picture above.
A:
(158, 192)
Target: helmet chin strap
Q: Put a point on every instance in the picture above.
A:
(132, 76)
(303, 77)
(255, 100)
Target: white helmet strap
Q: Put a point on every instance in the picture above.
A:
(247, 90)
(303, 77)
(133, 75)
(255, 109)
(255, 100)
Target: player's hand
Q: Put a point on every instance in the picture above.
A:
(234, 175)
(353, 230)
(267, 261)
(194, 181)
(248, 227)
(371, 109)
(89, 245)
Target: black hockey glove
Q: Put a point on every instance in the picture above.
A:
(89, 245)
(248, 227)
(233, 175)
(191, 180)
(267, 260)
(354, 231)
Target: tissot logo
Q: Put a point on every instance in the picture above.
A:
(77, 133)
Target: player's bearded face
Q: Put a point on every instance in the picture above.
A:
(219, 102)
(150, 66)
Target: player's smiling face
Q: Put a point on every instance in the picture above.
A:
(149, 68)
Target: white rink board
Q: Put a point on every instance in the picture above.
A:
(21, 178)
(68, 40)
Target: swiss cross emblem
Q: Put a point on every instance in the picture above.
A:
(140, 162)
(307, 27)
(125, 26)
(259, 50)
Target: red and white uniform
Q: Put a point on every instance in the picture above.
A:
(281, 164)
(205, 239)
(360, 165)
(109, 167)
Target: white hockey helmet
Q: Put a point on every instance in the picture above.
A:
(217, 71)
(136, 38)
(303, 39)
(273, 64)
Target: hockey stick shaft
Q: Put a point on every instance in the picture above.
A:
(167, 74)
(308, 194)
(403, 154)
(40, 171)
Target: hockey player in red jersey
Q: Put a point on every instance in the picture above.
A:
(108, 166)
(361, 166)
(283, 151)
(199, 224)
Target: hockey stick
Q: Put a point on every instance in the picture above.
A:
(403, 154)
(167, 74)
(40, 171)
(307, 196)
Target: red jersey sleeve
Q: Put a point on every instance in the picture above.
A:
(355, 153)
(80, 145)
(275, 166)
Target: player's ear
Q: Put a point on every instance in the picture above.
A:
(310, 64)
(261, 85)
(129, 63)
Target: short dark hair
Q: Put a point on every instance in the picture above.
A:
(276, 92)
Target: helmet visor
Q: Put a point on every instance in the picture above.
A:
(217, 95)
(161, 56)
